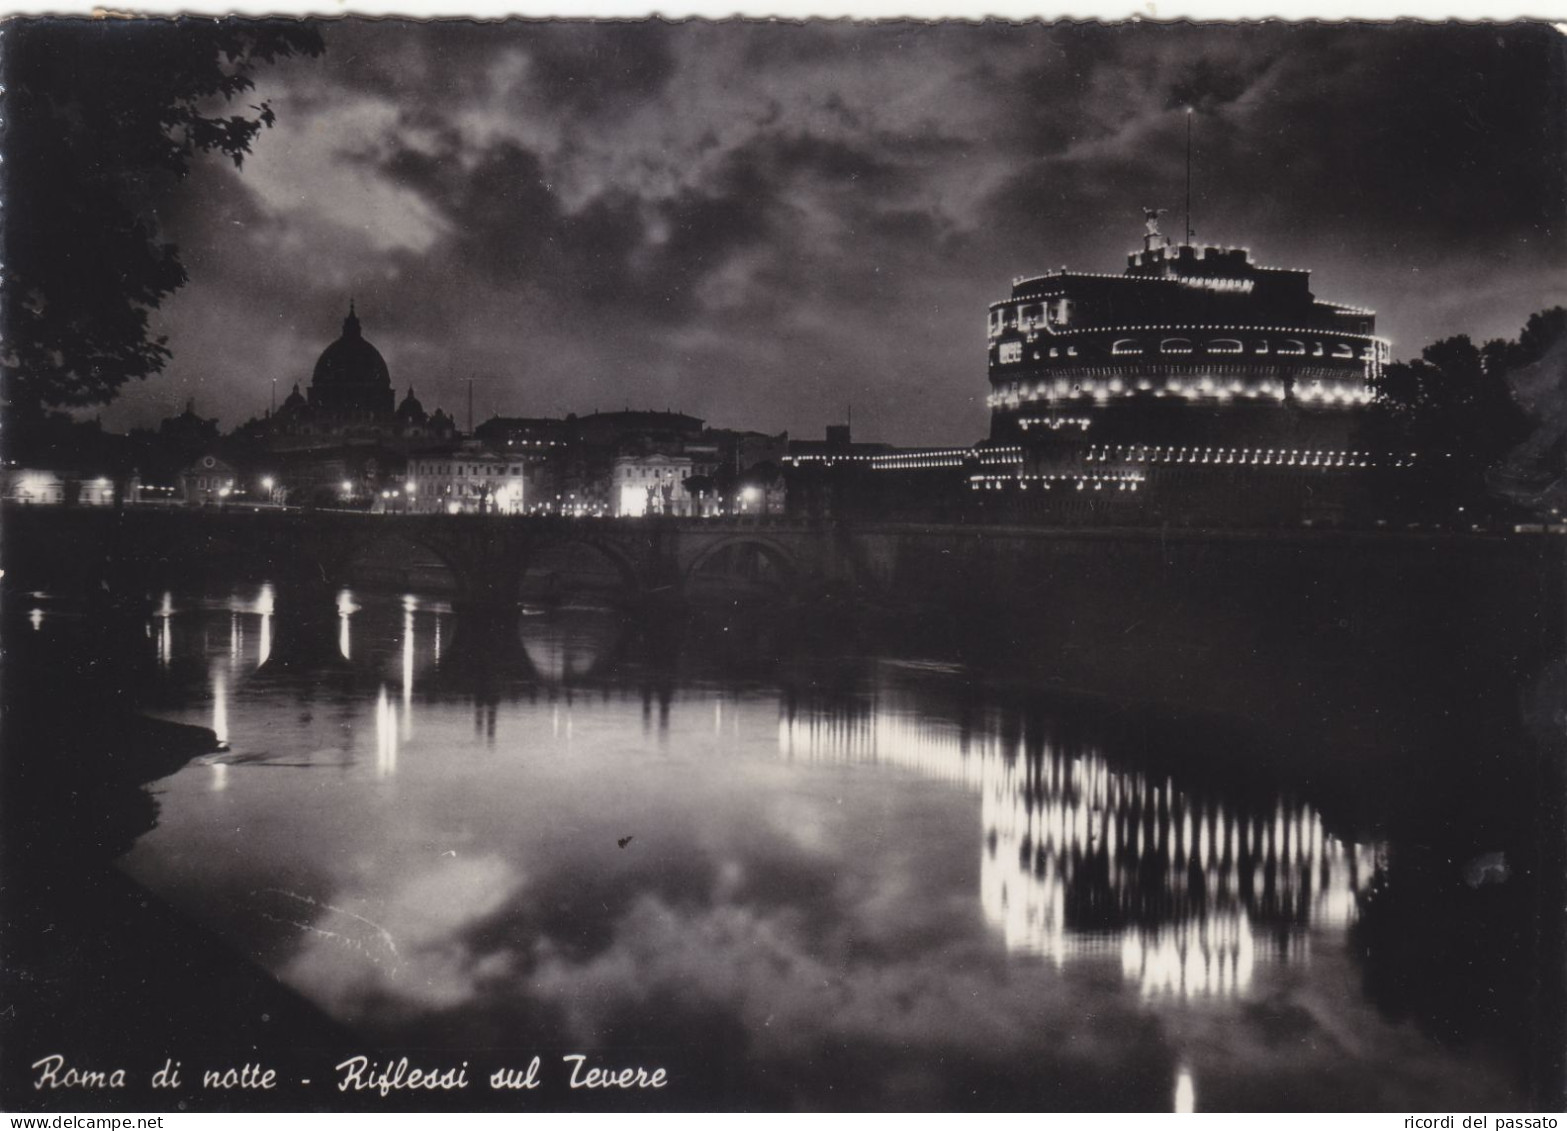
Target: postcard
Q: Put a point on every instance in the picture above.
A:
(670, 565)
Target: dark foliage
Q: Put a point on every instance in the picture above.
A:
(1454, 406)
(100, 116)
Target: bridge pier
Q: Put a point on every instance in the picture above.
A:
(307, 627)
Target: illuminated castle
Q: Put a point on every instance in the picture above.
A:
(1194, 367)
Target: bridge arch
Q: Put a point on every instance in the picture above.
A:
(393, 560)
(577, 568)
(742, 567)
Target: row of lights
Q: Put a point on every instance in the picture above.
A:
(1017, 394)
(1056, 423)
(1130, 347)
(952, 457)
(1382, 346)
(1279, 456)
(1121, 480)
(829, 460)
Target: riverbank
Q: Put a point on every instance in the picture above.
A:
(95, 969)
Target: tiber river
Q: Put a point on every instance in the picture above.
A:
(848, 876)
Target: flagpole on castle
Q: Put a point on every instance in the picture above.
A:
(1189, 232)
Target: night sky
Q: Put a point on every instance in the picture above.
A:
(764, 224)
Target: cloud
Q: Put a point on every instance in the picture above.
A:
(761, 223)
(412, 953)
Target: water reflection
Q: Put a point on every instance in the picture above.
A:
(165, 630)
(264, 608)
(220, 706)
(568, 643)
(409, 605)
(385, 736)
(345, 611)
(1080, 859)
(893, 866)
(1183, 892)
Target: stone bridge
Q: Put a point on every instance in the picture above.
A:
(1275, 624)
(474, 560)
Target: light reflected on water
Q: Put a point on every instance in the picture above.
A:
(1079, 859)
(1212, 956)
(1184, 894)
(346, 608)
(264, 608)
(385, 736)
(569, 643)
(220, 706)
(165, 616)
(410, 604)
(901, 865)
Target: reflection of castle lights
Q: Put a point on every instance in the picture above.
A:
(36, 619)
(1185, 1092)
(1078, 859)
(1210, 957)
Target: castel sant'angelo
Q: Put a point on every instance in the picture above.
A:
(1194, 369)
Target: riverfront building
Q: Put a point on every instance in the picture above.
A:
(472, 480)
(651, 484)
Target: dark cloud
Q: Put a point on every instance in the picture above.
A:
(759, 223)
(599, 68)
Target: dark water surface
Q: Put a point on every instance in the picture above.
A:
(807, 871)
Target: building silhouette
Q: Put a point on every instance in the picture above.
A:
(351, 401)
(351, 381)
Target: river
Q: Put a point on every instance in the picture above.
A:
(818, 869)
